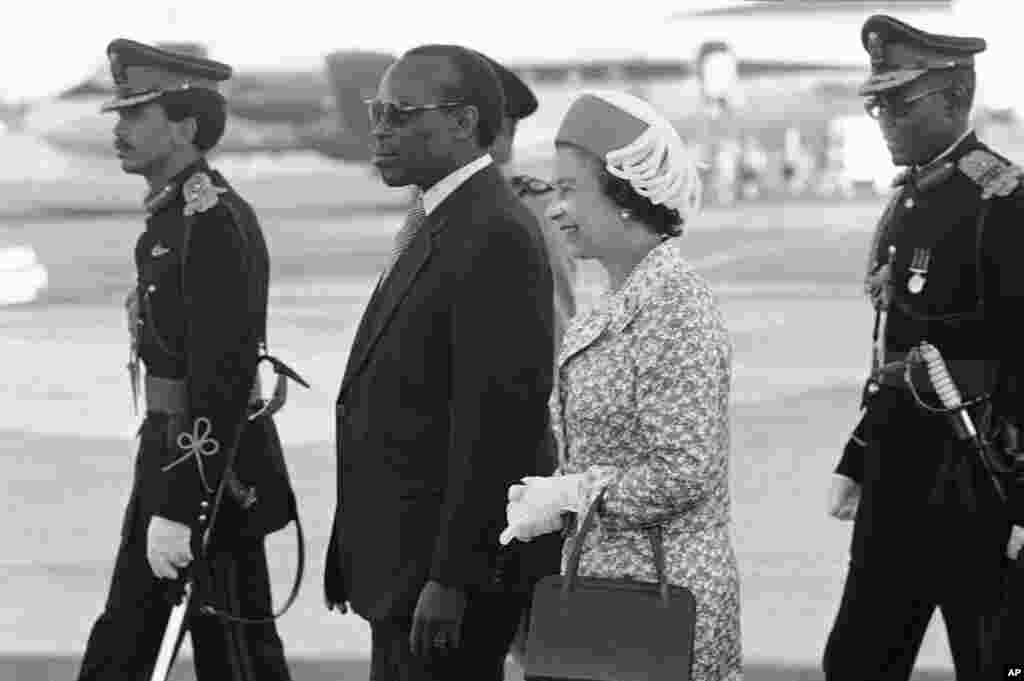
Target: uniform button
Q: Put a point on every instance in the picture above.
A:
(909, 202)
(202, 518)
(204, 504)
(151, 288)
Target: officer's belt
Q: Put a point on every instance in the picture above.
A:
(972, 377)
(170, 395)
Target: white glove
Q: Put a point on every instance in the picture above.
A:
(843, 497)
(1016, 542)
(524, 523)
(167, 547)
(536, 507)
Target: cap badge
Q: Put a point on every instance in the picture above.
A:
(200, 193)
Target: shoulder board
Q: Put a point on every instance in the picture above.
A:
(200, 193)
(995, 176)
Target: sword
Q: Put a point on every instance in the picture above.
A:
(174, 634)
(878, 334)
(882, 316)
(951, 399)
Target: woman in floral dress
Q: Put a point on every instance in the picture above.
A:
(641, 404)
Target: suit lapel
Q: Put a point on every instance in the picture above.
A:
(392, 291)
(388, 297)
(361, 337)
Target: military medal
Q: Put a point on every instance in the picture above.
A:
(919, 267)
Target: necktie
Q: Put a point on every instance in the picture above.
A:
(413, 221)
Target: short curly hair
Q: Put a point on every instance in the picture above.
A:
(208, 107)
(663, 221)
(477, 85)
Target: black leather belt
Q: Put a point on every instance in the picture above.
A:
(170, 395)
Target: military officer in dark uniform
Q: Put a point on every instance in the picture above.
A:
(198, 318)
(931, 528)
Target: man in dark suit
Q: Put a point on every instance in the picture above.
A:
(444, 399)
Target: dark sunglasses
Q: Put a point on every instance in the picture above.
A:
(396, 116)
(524, 185)
(895, 106)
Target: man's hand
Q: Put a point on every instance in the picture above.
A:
(1016, 542)
(437, 621)
(843, 497)
(168, 547)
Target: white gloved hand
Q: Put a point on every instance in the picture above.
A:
(536, 506)
(843, 497)
(524, 524)
(168, 547)
(1015, 543)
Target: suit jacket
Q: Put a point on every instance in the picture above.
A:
(443, 404)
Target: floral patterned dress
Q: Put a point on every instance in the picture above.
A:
(643, 392)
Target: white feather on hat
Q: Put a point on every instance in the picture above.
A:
(657, 164)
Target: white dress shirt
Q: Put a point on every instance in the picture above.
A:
(433, 197)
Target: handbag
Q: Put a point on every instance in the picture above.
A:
(599, 629)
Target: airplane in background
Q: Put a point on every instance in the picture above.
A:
(794, 63)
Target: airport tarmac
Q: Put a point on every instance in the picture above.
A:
(788, 279)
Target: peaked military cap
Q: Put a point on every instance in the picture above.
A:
(901, 53)
(520, 101)
(142, 72)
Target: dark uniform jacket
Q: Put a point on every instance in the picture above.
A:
(206, 332)
(911, 508)
(443, 405)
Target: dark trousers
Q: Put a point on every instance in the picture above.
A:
(1008, 627)
(126, 637)
(489, 624)
(882, 621)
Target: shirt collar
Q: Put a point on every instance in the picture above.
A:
(433, 197)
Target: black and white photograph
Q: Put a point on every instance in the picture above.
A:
(664, 341)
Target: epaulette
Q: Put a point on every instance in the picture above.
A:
(995, 176)
(200, 193)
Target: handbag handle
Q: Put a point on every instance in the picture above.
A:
(654, 535)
